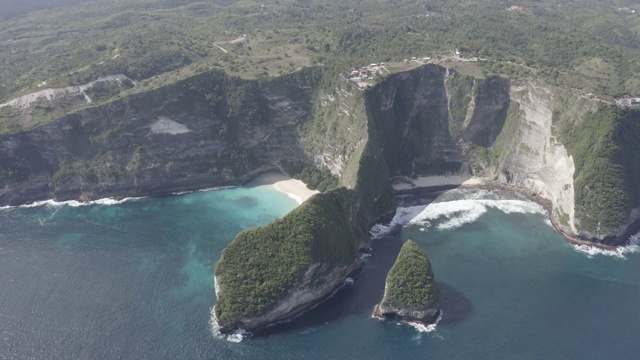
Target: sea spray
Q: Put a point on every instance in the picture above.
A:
(426, 328)
(73, 203)
(103, 201)
(453, 214)
(418, 326)
(235, 337)
(633, 246)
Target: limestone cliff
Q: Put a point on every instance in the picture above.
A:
(273, 273)
(204, 131)
(410, 292)
(437, 121)
(212, 130)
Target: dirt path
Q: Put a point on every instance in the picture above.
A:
(220, 47)
(234, 41)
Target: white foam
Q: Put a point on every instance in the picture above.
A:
(457, 213)
(426, 328)
(453, 214)
(402, 217)
(216, 188)
(633, 246)
(74, 203)
(236, 337)
(418, 326)
(177, 193)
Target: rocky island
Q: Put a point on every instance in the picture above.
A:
(411, 293)
(434, 121)
(135, 118)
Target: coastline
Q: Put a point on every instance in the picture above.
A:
(402, 183)
(295, 189)
(298, 191)
(442, 183)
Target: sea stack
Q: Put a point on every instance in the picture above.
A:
(410, 293)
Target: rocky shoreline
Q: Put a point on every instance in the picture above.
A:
(288, 317)
(208, 182)
(126, 190)
(496, 186)
(427, 320)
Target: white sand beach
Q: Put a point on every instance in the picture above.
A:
(439, 180)
(295, 189)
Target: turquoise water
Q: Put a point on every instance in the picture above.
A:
(133, 281)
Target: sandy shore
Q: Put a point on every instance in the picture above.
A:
(295, 189)
(405, 183)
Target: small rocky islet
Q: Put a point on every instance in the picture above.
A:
(411, 293)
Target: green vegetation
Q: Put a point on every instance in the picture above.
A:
(214, 66)
(262, 265)
(325, 231)
(14, 171)
(460, 91)
(407, 136)
(410, 282)
(583, 44)
(506, 142)
(605, 148)
(317, 178)
(373, 187)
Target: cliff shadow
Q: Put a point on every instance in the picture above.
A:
(455, 306)
(490, 112)
(358, 299)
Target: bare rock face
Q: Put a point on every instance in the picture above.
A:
(410, 293)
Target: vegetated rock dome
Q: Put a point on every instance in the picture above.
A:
(410, 291)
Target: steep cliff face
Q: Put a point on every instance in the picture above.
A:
(436, 121)
(273, 272)
(604, 143)
(208, 130)
(526, 152)
(320, 241)
(410, 110)
(213, 130)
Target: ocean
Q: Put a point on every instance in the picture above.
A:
(133, 280)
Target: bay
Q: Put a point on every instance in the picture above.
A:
(134, 281)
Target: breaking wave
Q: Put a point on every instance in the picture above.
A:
(453, 214)
(426, 328)
(74, 203)
(235, 337)
(633, 246)
(202, 190)
(104, 201)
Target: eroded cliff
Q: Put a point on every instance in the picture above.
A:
(213, 130)
(208, 130)
(437, 121)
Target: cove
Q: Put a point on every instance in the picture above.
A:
(133, 280)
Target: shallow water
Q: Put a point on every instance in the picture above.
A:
(133, 280)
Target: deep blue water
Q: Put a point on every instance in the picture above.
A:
(133, 281)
